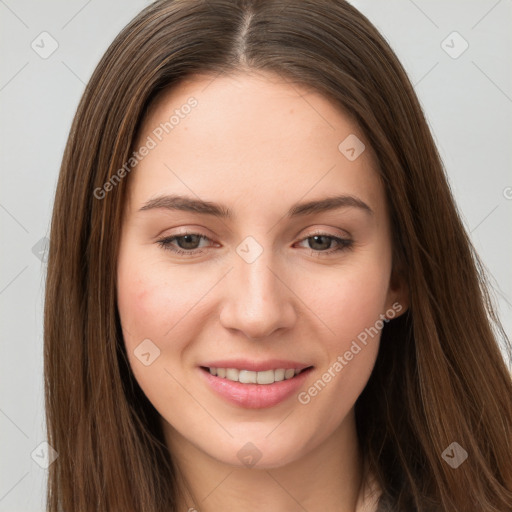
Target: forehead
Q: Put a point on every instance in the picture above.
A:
(251, 134)
(254, 103)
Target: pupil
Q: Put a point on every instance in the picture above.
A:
(185, 239)
(316, 237)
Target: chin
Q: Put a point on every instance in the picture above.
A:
(260, 452)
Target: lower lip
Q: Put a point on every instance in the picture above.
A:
(255, 396)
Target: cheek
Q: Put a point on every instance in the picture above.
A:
(353, 301)
(156, 304)
(153, 314)
(138, 309)
(351, 307)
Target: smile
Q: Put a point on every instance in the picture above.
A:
(252, 377)
(253, 389)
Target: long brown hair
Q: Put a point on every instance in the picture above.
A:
(440, 376)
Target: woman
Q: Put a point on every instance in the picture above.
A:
(265, 298)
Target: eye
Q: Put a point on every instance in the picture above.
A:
(187, 243)
(323, 241)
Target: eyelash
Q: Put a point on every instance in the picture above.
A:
(342, 244)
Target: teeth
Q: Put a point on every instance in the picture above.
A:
(232, 373)
(247, 377)
(279, 374)
(250, 377)
(288, 374)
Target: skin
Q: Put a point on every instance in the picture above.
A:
(257, 144)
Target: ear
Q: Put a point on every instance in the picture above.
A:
(397, 301)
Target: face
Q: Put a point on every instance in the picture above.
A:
(249, 270)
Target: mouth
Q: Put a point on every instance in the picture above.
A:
(265, 377)
(253, 389)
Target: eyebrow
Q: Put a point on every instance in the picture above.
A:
(188, 204)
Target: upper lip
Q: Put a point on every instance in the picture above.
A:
(256, 366)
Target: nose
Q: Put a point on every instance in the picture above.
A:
(258, 298)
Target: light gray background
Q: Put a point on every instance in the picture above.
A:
(467, 100)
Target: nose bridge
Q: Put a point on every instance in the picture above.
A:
(259, 285)
(258, 301)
